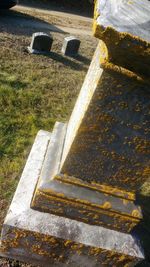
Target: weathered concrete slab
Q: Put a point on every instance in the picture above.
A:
(50, 240)
(52, 160)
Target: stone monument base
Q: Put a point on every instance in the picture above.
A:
(49, 240)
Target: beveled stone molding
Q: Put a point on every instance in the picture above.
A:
(90, 206)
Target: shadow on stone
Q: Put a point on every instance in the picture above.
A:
(143, 228)
(143, 264)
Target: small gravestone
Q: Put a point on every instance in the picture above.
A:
(70, 46)
(41, 43)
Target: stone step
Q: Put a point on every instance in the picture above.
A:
(52, 241)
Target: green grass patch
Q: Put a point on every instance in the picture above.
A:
(35, 92)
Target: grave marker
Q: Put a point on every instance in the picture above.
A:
(41, 43)
(71, 46)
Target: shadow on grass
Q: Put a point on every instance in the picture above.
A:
(14, 22)
(82, 59)
(17, 85)
(7, 79)
(68, 61)
(83, 8)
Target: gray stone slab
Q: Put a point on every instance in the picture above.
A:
(126, 16)
(70, 46)
(124, 27)
(43, 238)
(41, 43)
(51, 165)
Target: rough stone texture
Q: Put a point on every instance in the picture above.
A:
(41, 43)
(70, 46)
(93, 187)
(49, 240)
(88, 88)
(124, 26)
(72, 201)
(113, 140)
(107, 157)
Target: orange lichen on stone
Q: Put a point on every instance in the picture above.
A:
(107, 205)
(124, 50)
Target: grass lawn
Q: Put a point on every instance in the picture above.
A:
(35, 92)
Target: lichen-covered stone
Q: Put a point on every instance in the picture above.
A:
(48, 240)
(124, 28)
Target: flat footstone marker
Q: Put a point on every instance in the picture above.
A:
(41, 43)
(70, 46)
